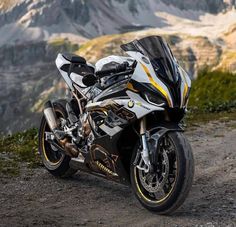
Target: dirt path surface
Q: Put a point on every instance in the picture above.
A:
(36, 198)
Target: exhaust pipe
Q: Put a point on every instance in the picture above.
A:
(50, 116)
(52, 121)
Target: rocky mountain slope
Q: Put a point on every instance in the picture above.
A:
(22, 20)
(28, 75)
(32, 32)
(211, 6)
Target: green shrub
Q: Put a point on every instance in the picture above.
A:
(213, 92)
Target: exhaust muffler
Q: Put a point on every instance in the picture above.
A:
(52, 120)
(50, 116)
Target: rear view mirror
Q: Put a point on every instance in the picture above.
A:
(89, 80)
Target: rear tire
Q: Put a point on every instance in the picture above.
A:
(182, 183)
(54, 161)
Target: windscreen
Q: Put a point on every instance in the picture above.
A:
(159, 54)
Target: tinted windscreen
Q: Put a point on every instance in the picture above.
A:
(159, 54)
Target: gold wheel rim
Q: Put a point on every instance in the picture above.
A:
(159, 200)
(147, 199)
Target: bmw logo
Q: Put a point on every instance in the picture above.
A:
(131, 104)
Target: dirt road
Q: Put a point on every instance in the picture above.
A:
(37, 198)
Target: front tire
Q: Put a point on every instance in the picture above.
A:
(55, 162)
(173, 197)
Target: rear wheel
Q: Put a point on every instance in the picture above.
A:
(55, 161)
(166, 188)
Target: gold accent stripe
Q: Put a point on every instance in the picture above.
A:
(156, 85)
(185, 89)
(105, 169)
(131, 87)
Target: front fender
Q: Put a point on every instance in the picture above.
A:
(155, 136)
(166, 127)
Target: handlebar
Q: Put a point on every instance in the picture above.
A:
(117, 69)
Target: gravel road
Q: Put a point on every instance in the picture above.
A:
(36, 198)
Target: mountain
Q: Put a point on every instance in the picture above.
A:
(38, 20)
(211, 6)
(32, 32)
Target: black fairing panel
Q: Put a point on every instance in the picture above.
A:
(113, 161)
(73, 58)
(115, 90)
(161, 57)
(146, 87)
(78, 69)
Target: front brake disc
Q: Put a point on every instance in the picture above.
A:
(154, 182)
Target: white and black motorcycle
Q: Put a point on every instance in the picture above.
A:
(122, 122)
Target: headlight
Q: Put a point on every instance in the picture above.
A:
(154, 99)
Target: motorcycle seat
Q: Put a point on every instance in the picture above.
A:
(73, 58)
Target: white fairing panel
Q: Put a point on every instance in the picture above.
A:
(60, 61)
(77, 79)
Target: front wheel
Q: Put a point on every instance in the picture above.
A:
(166, 188)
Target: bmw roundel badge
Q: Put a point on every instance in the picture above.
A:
(131, 104)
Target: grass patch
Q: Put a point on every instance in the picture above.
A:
(62, 44)
(195, 119)
(16, 149)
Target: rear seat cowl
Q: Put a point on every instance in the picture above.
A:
(73, 58)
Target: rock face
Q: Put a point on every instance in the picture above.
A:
(25, 54)
(19, 91)
(38, 20)
(28, 76)
(32, 32)
(211, 6)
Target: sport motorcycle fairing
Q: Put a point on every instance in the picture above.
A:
(158, 69)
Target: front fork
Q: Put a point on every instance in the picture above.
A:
(150, 142)
(144, 163)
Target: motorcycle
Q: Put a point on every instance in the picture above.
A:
(123, 122)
